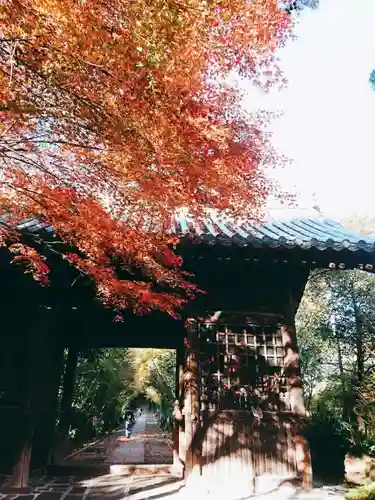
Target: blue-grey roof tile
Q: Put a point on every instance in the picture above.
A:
(306, 233)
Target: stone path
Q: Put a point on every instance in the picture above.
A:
(287, 491)
(130, 451)
(106, 487)
(161, 487)
(158, 448)
(146, 445)
(129, 487)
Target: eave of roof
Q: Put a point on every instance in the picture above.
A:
(304, 233)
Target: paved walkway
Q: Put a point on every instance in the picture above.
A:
(286, 491)
(129, 487)
(147, 445)
(106, 487)
(130, 451)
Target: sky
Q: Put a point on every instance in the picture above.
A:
(328, 109)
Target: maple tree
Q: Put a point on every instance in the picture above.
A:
(115, 114)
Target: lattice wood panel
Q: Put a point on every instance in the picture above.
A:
(241, 365)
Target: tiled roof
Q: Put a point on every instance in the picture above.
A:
(34, 226)
(304, 233)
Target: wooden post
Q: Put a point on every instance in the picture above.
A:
(66, 403)
(45, 429)
(178, 458)
(13, 356)
(46, 396)
(34, 374)
(192, 403)
(181, 401)
(292, 368)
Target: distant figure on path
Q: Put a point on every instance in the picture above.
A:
(129, 422)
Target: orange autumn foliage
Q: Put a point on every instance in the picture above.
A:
(115, 114)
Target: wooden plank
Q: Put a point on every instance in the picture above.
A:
(258, 439)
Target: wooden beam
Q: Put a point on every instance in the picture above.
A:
(192, 402)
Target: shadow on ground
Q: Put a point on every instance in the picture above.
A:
(106, 487)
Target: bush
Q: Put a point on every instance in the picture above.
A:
(329, 441)
(367, 446)
(366, 492)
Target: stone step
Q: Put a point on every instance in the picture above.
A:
(83, 469)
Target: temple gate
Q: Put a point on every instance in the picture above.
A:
(240, 408)
(242, 391)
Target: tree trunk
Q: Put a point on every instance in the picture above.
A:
(360, 362)
(308, 397)
(345, 410)
(359, 348)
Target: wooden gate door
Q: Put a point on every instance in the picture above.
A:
(245, 424)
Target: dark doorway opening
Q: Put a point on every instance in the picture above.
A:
(106, 383)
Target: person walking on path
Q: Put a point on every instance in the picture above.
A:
(129, 422)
